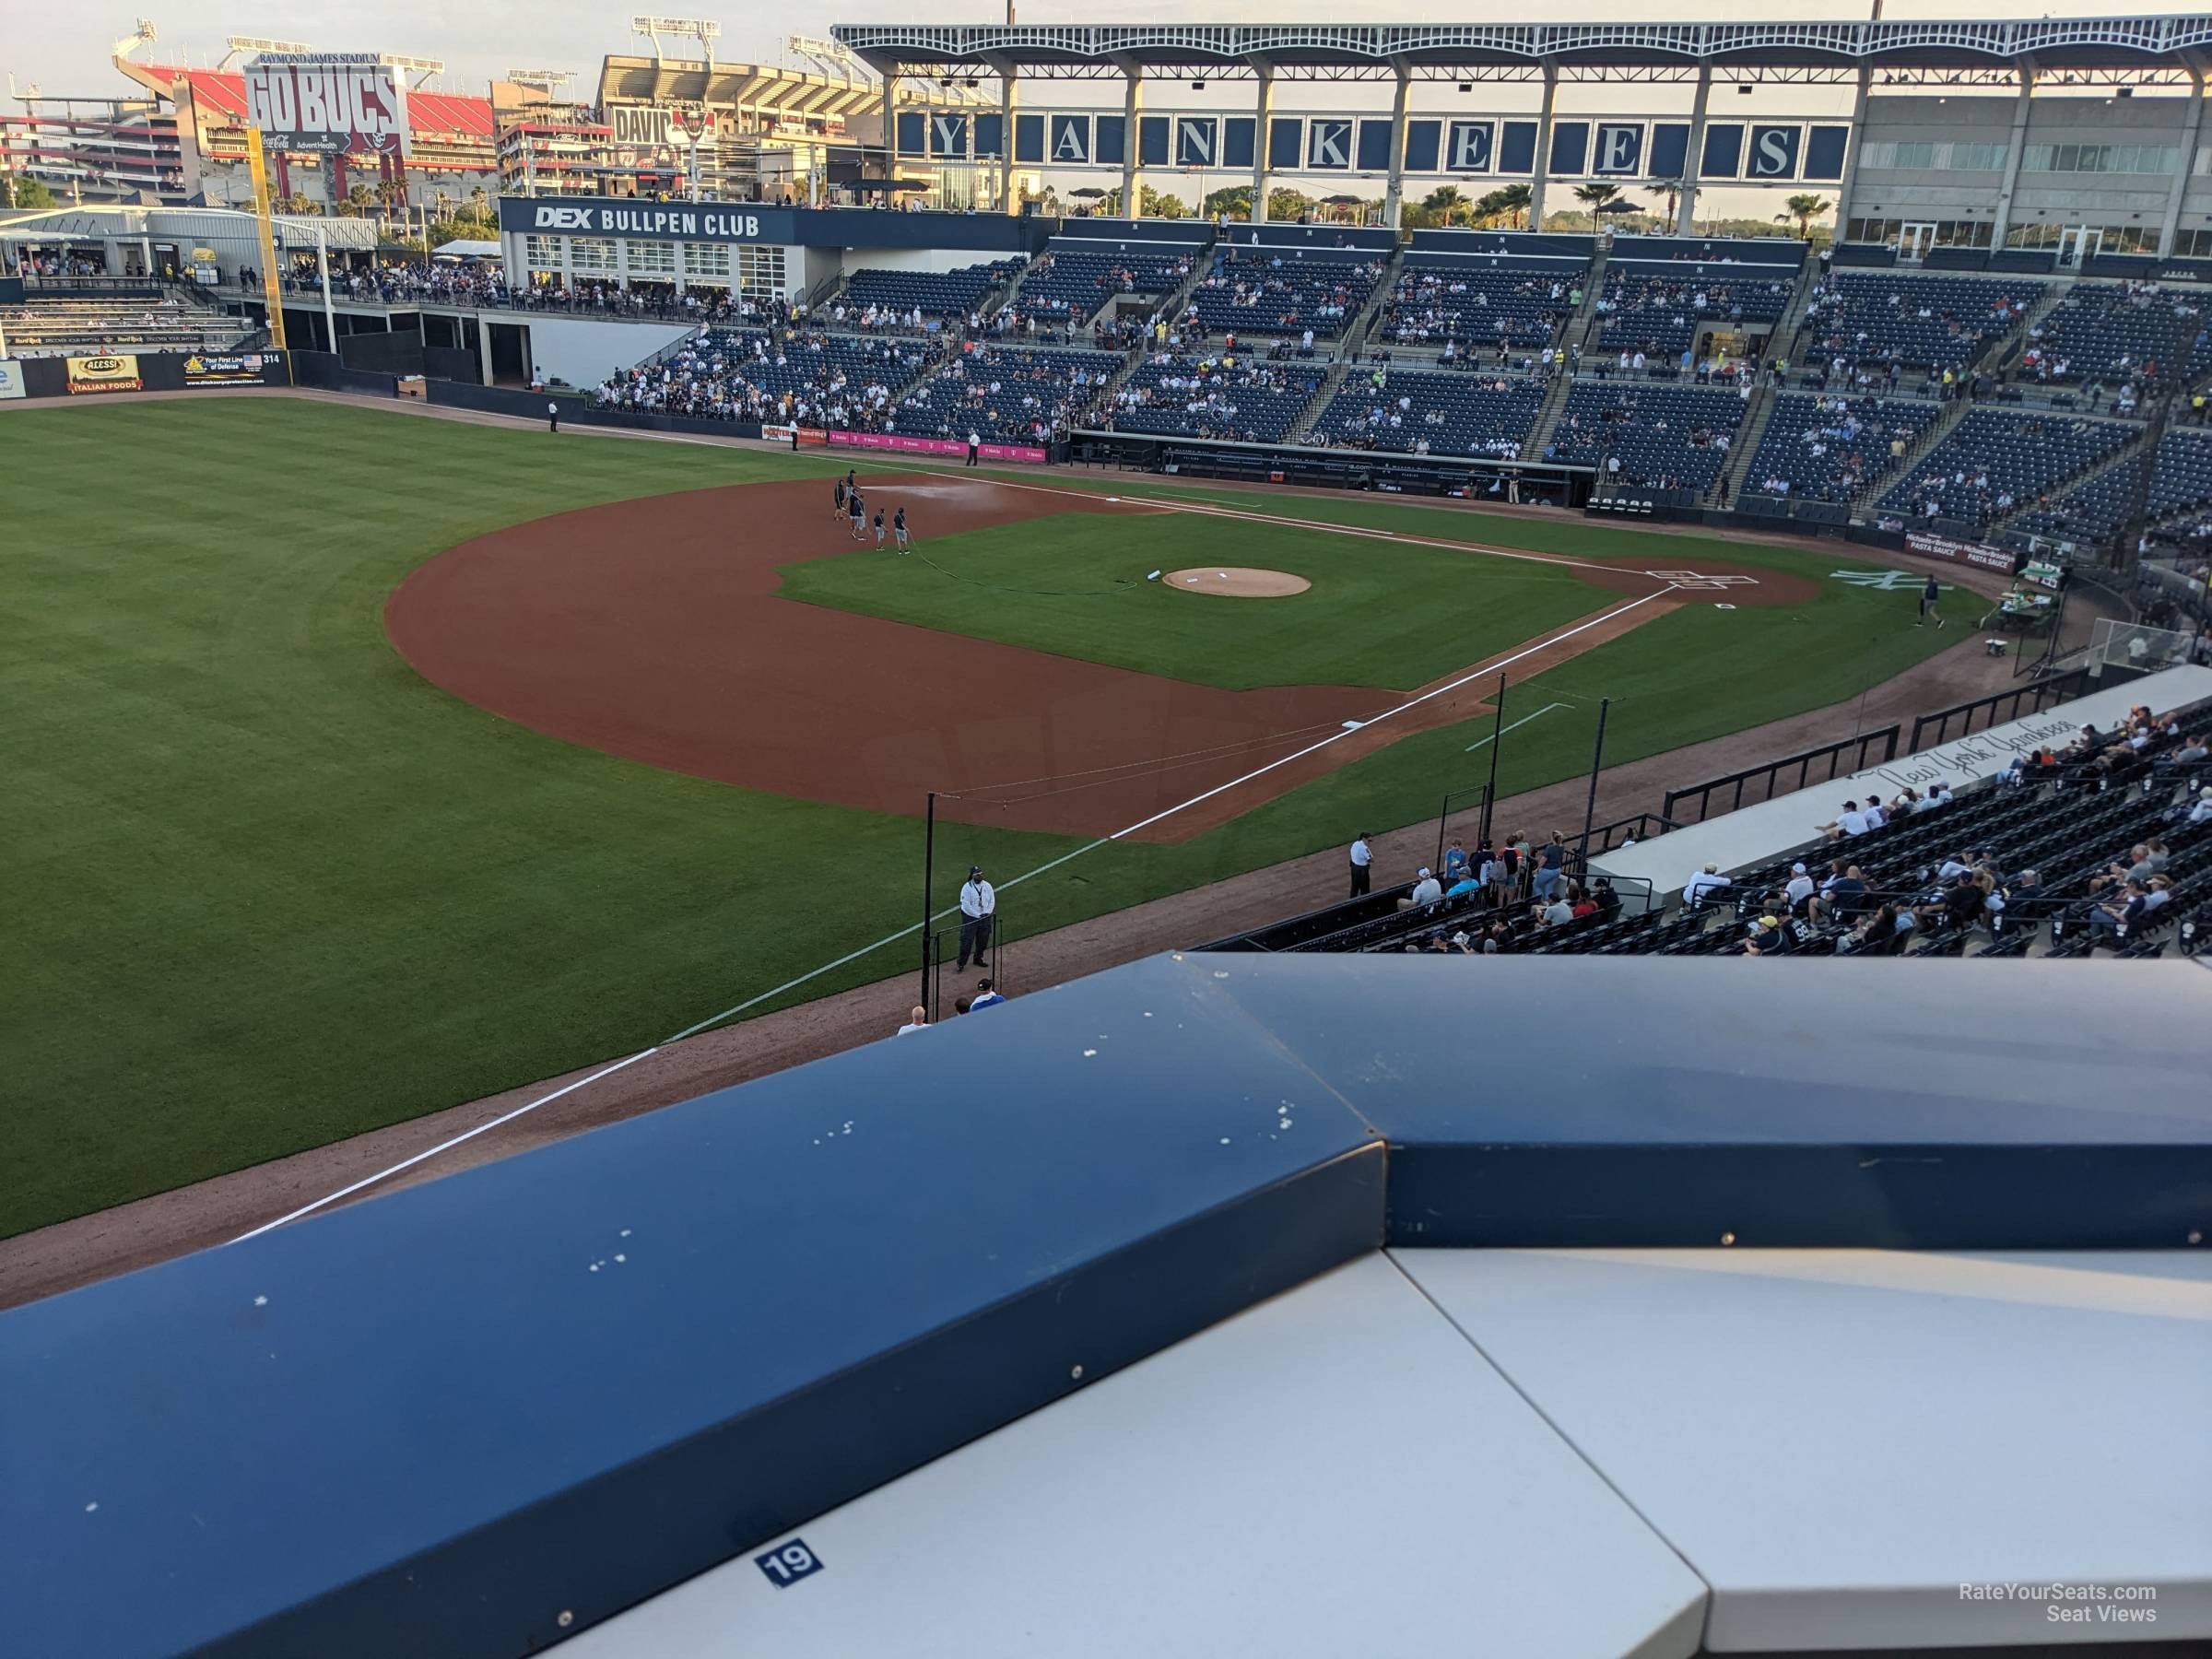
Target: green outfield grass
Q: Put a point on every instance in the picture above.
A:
(268, 888)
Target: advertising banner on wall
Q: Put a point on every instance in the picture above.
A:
(936, 446)
(11, 378)
(1973, 553)
(105, 374)
(342, 102)
(244, 369)
(660, 126)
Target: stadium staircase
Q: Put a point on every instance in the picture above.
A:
(1744, 444)
(1947, 418)
(2008, 347)
(1783, 343)
(1360, 327)
(1301, 429)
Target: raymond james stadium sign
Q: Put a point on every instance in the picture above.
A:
(655, 221)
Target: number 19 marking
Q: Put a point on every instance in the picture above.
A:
(786, 1566)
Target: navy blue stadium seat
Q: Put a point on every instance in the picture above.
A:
(934, 293)
(2092, 512)
(1285, 291)
(2119, 333)
(1480, 304)
(751, 375)
(1213, 396)
(1936, 323)
(1660, 310)
(2182, 479)
(1998, 461)
(1009, 394)
(1453, 412)
(1663, 436)
(1072, 283)
(1830, 448)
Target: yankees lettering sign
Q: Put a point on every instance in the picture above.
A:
(340, 103)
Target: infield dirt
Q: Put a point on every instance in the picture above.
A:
(653, 629)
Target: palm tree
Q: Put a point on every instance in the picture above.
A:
(1673, 189)
(1514, 199)
(1594, 197)
(1445, 202)
(1804, 209)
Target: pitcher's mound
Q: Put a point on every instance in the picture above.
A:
(1237, 581)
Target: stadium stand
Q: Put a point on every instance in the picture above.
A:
(1072, 279)
(1828, 447)
(1479, 305)
(751, 375)
(2126, 335)
(60, 327)
(1010, 393)
(1660, 436)
(2106, 844)
(2181, 481)
(2092, 512)
(1931, 322)
(1267, 290)
(898, 296)
(1188, 395)
(1998, 461)
(1661, 310)
(1451, 412)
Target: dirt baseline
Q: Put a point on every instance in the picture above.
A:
(652, 629)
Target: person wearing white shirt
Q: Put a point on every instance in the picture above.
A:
(1876, 817)
(978, 904)
(1800, 886)
(1427, 890)
(1704, 881)
(1850, 821)
(1363, 859)
(917, 1020)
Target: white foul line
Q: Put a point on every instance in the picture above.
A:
(1517, 724)
(1482, 672)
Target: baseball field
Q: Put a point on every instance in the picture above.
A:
(360, 764)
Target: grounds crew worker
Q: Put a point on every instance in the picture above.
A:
(553, 418)
(978, 903)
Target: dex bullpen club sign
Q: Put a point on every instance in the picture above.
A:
(656, 222)
(104, 374)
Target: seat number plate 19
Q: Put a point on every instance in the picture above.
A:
(788, 1563)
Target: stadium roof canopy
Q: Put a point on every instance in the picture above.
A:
(2092, 49)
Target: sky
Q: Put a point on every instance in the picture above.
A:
(65, 48)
